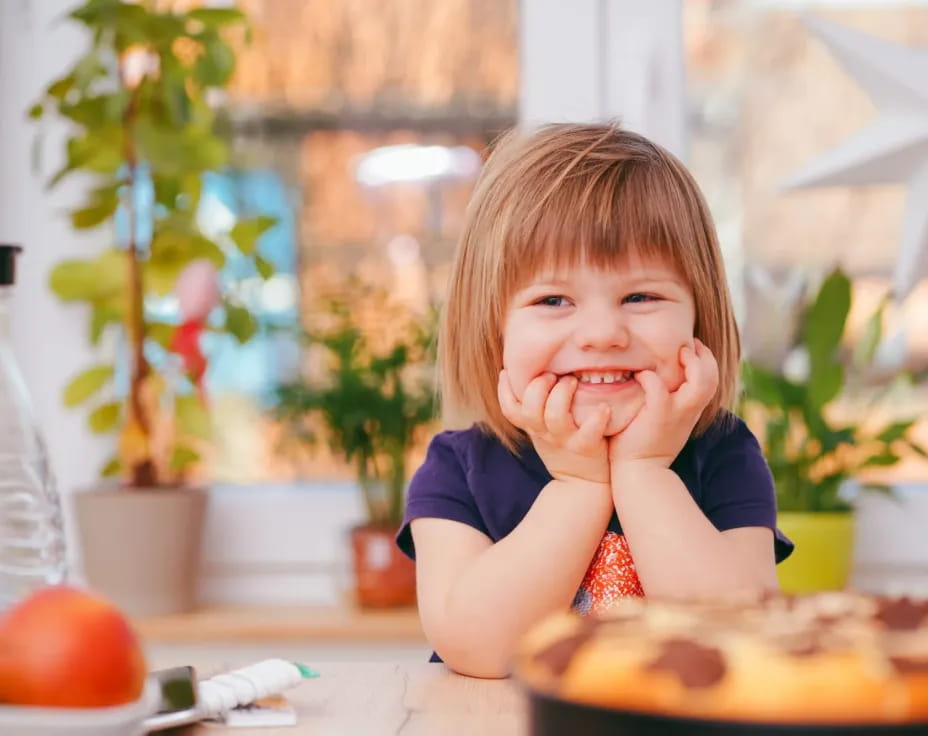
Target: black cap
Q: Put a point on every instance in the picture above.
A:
(8, 253)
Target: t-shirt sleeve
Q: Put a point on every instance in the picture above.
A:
(439, 489)
(738, 487)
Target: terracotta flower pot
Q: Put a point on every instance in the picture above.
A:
(384, 576)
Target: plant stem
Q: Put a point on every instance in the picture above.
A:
(366, 490)
(142, 473)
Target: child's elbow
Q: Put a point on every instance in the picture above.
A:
(484, 673)
(478, 661)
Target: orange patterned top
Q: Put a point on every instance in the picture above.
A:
(610, 576)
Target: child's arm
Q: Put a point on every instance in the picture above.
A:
(477, 598)
(677, 550)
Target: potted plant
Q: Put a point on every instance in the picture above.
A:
(141, 135)
(369, 404)
(811, 449)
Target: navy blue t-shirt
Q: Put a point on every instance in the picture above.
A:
(470, 477)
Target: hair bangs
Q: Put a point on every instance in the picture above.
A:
(617, 211)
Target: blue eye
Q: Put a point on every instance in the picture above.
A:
(639, 298)
(552, 301)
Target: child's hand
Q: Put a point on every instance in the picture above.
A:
(665, 420)
(568, 451)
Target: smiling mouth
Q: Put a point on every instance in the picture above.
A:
(607, 377)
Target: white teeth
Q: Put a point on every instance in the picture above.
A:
(603, 376)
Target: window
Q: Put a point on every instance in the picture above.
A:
(364, 124)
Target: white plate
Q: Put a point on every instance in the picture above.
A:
(117, 720)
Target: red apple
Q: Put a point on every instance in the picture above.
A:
(66, 647)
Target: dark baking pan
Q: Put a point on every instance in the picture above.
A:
(552, 717)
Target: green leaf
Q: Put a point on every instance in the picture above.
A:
(163, 29)
(89, 217)
(174, 94)
(35, 112)
(214, 67)
(881, 488)
(131, 25)
(183, 457)
(90, 280)
(104, 202)
(60, 87)
(866, 347)
(825, 383)
(770, 389)
(99, 152)
(105, 417)
(86, 70)
(191, 188)
(265, 267)
(245, 233)
(917, 449)
(176, 151)
(215, 17)
(240, 323)
(112, 467)
(825, 319)
(192, 416)
(86, 384)
(881, 459)
(895, 431)
(94, 12)
(103, 314)
(160, 332)
(167, 190)
(96, 111)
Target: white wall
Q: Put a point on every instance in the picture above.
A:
(283, 544)
(891, 541)
(49, 338)
(592, 60)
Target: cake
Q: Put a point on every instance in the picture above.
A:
(827, 658)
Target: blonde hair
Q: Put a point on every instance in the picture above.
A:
(562, 194)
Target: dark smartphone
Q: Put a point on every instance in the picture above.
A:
(178, 705)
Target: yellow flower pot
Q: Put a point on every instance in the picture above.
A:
(822, 558)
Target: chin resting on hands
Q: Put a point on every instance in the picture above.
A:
(666, 419)
(569, 452)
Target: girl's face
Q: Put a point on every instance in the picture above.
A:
(602, 326)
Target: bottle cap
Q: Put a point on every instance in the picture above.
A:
(8, 253)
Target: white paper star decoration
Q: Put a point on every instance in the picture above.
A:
(894, 148)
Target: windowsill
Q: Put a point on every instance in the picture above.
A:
(309, 624)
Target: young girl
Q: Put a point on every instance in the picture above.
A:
(589, 336)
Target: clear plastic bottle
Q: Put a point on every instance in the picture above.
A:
(32, 546)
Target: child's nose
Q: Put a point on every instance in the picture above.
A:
(602, 330)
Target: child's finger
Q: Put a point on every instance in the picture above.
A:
(710, 367)
(701, 373)
(534, 399)
(557, 416)
(708, 364)
(655, 392)
(690, 363)
(508, 403)
(591, 431)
